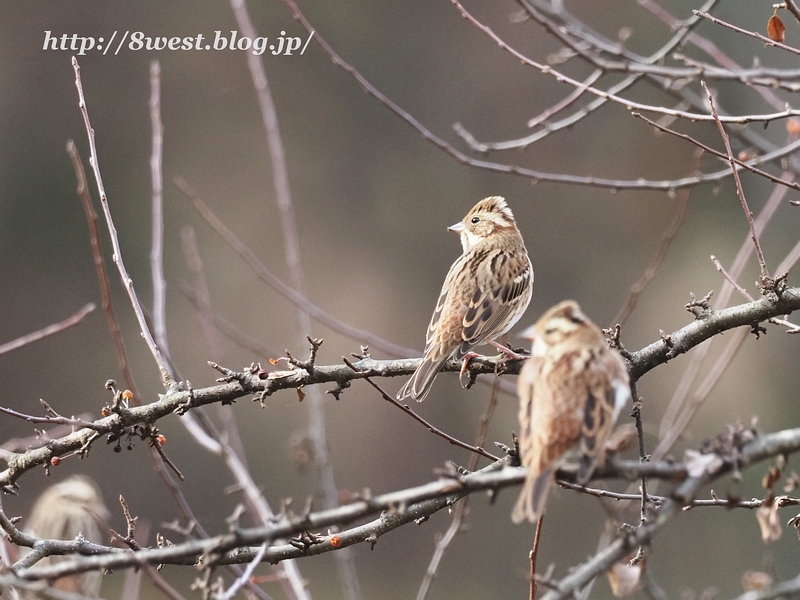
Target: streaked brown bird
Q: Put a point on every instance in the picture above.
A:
(571, 390)
(484, 294)
(63, 511)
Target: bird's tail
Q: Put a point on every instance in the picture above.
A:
(421, 381)
(530, 504)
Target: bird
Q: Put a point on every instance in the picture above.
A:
(485, 292)
(64, 511)
(571, 391)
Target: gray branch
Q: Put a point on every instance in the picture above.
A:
(257, 381)
(398, 508)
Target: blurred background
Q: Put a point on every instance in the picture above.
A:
(372, 200)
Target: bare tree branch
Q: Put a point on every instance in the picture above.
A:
(126, 280)
(49, 330)
(404, 506)
(758, 36)
(255, 380)
(99, 263)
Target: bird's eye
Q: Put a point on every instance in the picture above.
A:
(475, 219)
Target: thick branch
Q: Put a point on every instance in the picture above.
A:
(782, 442)
(709, 324)
(255, 380)
(416, 504)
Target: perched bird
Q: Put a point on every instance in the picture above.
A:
(571, 389)
(484, 294)
(64, 511)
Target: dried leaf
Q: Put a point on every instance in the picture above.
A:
(625, 579)
(755, 580)
(776, 29)
(301, 395)
(768, 521)
(771, 478)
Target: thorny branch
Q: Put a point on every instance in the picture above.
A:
(396, 509)
(255, 380)
(766, 446)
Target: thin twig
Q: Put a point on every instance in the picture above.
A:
(680, 410)
(615, 184)
(299, 300)
(102, 276)
(460, 511)
(166, 379)
(244, 579)
(561, 78)
(758, 36)
(53, 420)
(167, 461)
(566, 102)
(157, 248)
(280, 176)
(744, 164)
(220, 324)
(210, 323)
(433, 429)
(753, 235)
(533, 555)
(638, 288)
(681, 30)
(49, 330)
(730, 279)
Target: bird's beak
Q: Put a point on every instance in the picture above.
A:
(457, 228)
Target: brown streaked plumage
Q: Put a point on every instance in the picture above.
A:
(571, 390)
(484, 294)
